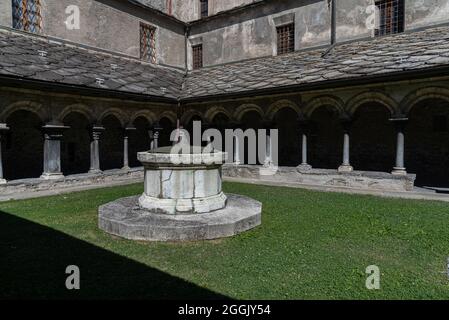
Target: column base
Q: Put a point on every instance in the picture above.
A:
(304, 167)
(237, 163)
(3, 181)
(126, 168)
(52, 176)
(399, 171)
(345, 168)
(95, 171)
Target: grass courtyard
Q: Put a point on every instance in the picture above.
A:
(311, 245)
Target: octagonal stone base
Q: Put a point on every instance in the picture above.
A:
(124, 218)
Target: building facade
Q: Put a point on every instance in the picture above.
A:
(353, 86)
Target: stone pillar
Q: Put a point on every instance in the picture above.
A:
(156, 133)
(304, 129)
(268, 147)
(126, 133)
(52, 151)
(3, 129)
(237, 158)
(95, 149)
(399, 168)
(346, 165)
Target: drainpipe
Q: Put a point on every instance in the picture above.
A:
(186, 39)
(333, 7)
(333, 22)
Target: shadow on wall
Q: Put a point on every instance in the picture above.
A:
(34, 260)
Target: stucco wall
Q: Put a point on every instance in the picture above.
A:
(253, 33)
(5, 13)
(421, 13)
(112, 25)
(351, 19)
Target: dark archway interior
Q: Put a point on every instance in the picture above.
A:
(111, 144)
(289, 143)
(164, 136)
(23, 147)
(75, 146)
(251, 120)
(189, 128)
(221, 123)
(427, 143)
(373, 139)
(325, 139)
(139, 140)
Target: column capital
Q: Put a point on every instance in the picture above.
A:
(53, 131)
(399, 122)
(269, 124)
(3, 128)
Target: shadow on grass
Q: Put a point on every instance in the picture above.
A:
(33, 260)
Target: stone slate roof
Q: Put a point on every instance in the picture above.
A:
(71, 65)
(381, 56)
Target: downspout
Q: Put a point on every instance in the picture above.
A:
(333, 22)
(333, 8)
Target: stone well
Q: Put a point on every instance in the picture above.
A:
(182, 201)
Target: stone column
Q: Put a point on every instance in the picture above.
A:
(156, 134)
(304, 129)
(95, 149)
(399, 168)
(126, 133)
(268, 148)
(52, 151)
(3, 129)
(346, 165)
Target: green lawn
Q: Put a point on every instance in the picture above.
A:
(311, 245)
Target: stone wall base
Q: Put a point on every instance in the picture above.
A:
(73, 181)
(366, 180)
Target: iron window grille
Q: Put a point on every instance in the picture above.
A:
(26, 15)
(148, 43)
(286, 38)
(391, 17)
(197, 52)
(204, 4)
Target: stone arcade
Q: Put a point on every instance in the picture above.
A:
(355, 108)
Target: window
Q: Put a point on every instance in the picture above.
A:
(391, 17)
(286, 38)
(148, 43)
(26, 15)
(204, 7)
(197, 51)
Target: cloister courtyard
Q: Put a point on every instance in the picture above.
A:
(311, 245)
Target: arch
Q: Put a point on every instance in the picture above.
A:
(24, 145)
(79, 108)
(320, 101)
(189, 114)
(282, 104)
(369, 97)
(214, 111)
(120, 115)
(244, 108)
(34, 107)
(150, 116)
(170, 115)
(419, 95)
